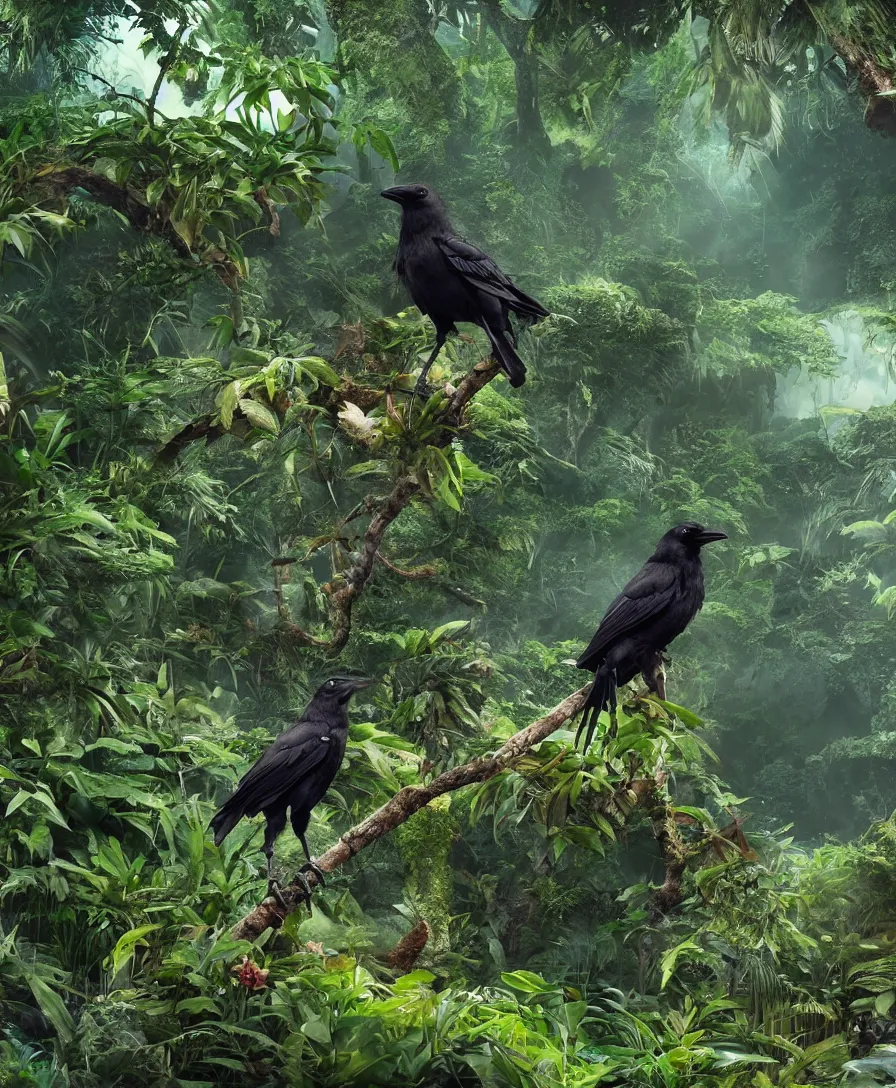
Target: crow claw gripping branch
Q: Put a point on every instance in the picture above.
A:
(274, 891)
(311, 866)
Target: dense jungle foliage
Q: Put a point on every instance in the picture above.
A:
(204, 411)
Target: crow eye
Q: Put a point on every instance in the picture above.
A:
(421, 191)
(331, 683)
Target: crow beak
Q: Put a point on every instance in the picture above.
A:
(361, 683)
(396, 193)
(709, 535)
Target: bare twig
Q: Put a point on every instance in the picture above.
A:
(461, 594)
(405, 803)
(111, 86)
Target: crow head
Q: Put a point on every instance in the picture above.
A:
(693, 536)
(416, 195)
(339, 689)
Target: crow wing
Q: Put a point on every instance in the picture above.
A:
(482, 273)
(646, 596)
(292, 756)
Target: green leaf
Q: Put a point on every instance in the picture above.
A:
(227, 400)
(197, 1004)
(470, 472)
(450, 628)
(315, 1028)
(368, 468)
(123, 952)
(670, 959)
(123, 747)
(320, 370)
(260, 416)
(527, 982)
(225, 1063)
(445, 493)
(155, 189)
(726, 1057)
(685, 716)
(23, 796)
(243, 355)
(52, 1006)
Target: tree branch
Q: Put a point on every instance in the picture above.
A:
(356, 578)
(674, 852)
(407, 951)
(139, 215)
(415, 574)
(350, 584)
(353, 582)
(405, 803)
(111, 86)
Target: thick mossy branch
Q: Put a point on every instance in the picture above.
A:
(404, 804)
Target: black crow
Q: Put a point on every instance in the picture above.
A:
(294, 773)
(450, 280)
(652, 610)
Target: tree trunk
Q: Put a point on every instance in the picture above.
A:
(513, 34)
(880, 112)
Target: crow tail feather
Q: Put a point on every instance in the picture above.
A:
(505, 354)
(226, 819)
(602, 696)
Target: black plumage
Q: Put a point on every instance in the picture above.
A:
(294, 773)
(451, 280)
(653, 609)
